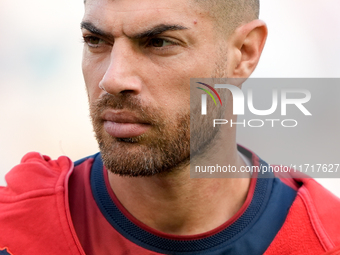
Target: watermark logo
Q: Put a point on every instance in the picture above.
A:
(204, 97)
(239, 100)
(282, 116)
(280, 100)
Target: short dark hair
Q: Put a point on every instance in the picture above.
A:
(229, 14)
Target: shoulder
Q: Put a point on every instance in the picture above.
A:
(33, 203)
(312, 222)
(322, 205)
(313, 213)
(36, 175)
(323, 208)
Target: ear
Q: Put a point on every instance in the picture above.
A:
(245, 46)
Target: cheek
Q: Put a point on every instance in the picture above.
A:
(93, 72)
(174, 96)
(174, 82)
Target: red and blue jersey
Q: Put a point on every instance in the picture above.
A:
(55, 207)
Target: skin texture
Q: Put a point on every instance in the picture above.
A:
(147, 80)
(230, 14)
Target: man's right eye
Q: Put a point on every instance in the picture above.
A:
(93, 41)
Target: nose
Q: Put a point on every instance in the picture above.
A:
(121, 75)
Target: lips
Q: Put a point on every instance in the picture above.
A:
(122, 124)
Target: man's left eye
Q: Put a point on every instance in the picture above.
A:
(159, 42)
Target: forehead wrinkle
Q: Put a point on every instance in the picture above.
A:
(143, 10)
(136, 26)
(139, 9)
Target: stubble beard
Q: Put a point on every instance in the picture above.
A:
(168, 147)
(162, 149)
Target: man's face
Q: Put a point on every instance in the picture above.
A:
(143, 54)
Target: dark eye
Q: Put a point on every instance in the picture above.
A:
(93, 41)
(159, 42)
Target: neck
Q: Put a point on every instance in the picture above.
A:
(180, 205)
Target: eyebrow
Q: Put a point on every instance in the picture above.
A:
(94, 30)
(159, 29)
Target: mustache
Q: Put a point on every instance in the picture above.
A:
(127, 102)
(124, 101)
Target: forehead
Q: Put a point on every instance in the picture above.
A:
(130, 15)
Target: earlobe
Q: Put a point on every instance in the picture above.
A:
(249, 40)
